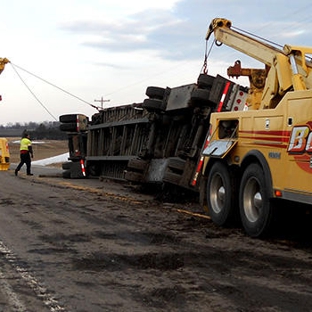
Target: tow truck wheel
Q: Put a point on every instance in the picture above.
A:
(256, 210)
(221, 195)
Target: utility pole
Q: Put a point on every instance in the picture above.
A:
(102, 101)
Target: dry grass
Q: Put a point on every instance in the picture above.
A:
(43, 149)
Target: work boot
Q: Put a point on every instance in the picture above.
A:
(16, 172)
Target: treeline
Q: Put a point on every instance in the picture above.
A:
(39, 131)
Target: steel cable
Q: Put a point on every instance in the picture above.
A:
(49, 83)
(33, 93)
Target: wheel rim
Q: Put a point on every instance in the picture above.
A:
(252, 200)
(217, 193)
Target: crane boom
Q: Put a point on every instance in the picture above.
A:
(287, 68)
(3, 61)
(246, 44)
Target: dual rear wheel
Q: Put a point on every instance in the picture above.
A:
(250, 201)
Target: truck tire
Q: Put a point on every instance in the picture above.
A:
(155, 92)
(68, 118)
(176, 163)
(256, 210)
(66, 174)
(71, 127)
(76, 171)
(201, 96)
(138, 164)
(152, 104)
(221, 195)
(205, 81)
(134, 177)
(66, 165)
(172, 178)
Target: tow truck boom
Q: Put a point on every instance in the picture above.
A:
(3, 62)
(246, 44)
(287, 68)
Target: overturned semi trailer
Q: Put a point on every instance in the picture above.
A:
(157, 141)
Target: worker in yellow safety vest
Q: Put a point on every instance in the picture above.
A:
(26, 153)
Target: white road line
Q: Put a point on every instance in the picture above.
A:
(40, 291)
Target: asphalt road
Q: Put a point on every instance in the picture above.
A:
(87, 245)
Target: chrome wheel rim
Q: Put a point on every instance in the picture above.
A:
(217, 193)
(252, 200)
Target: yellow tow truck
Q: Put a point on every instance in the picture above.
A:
(4, 146)
(261, 157)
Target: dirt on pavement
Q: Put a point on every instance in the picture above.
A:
(90, 245)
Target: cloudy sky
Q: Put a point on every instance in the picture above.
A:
(66, 54)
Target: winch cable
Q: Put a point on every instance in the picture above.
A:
(33, 93)
(14, 66)
(277, 45)
(207, 53)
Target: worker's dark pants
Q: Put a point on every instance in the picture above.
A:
(25, 159)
